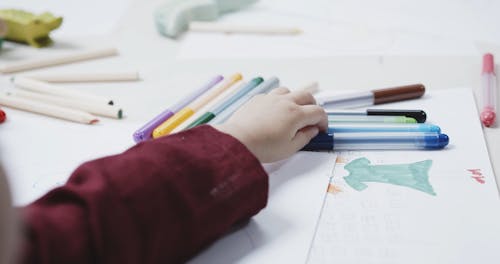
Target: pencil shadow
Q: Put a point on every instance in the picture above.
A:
(64, 45)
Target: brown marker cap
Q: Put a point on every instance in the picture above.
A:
(400, 93)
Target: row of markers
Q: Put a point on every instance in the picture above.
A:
(379, 129)
(348, 130)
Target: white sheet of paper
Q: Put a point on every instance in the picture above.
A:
(282, 232)
(61, 146)
(340, 27)
(387, 223)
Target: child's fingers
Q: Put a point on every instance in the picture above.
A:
(280, 90)
(312, 115)
(303, 136)
(302, 98)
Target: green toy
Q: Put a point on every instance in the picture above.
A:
(3, 31)
(29, 28)
(173, 18)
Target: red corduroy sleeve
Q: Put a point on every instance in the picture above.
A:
(159, 202)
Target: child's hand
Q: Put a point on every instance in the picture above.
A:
(276, 125)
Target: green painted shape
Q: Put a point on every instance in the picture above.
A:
(26, 27)
(413, 175)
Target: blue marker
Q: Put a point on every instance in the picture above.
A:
(351, 128)
(379, 141)
(264, 87)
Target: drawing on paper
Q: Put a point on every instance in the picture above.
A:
(333, 189)
(477, 175)
(413, 175)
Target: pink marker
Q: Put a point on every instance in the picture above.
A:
(488, 114)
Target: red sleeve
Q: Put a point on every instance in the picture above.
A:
(159, 202)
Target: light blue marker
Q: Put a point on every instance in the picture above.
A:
(352, 128)
(264, 87)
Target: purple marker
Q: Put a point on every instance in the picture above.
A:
(144, 133)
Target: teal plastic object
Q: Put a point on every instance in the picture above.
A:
(173, 18)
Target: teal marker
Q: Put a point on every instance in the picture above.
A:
(266, 86)
(226, 102)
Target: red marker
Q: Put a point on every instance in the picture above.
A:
(489, 98)
(3, 116)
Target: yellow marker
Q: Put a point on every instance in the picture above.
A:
(166, 127)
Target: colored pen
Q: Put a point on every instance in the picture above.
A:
(191, 119)
(373, 97)
(418, 115)
(225, 103)
(370, 119)
(166, 127)
(378, 141)
(3, 116)
(145, 132)
(489, 98)
(266, 86)
(350, 128)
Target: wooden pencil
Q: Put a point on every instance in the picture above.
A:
(86, 77)
(243, 29)
(93, 108)
(30, 64)
(43, 87)
(47, 109)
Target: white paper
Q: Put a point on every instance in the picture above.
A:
(283, 231)
(340, 27)
(39, 153)
(387, 223)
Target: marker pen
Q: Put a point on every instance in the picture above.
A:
(145, 132)
(266, 86)
(170, 124)
(378, 141)
(370, 119)
(225, 103)
(359, 128)
(373, 97)
(418, 115)
(489, 97)
(3, 116)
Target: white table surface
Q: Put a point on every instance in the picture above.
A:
(165, 78)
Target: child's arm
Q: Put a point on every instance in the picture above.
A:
(164, 200)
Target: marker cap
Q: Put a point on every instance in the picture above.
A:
(488, 64)
(387, 95)
(438, 142)
(3, 116)
(419, 115)
(322, 141)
